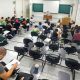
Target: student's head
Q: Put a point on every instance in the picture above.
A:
(73, 22)
(36, 26)
(56, 30)
(58, 26)
(21, 16)
(23, 19)
(2, 17)
(76, 26)
(8, 17)
(40, 23)
(2, 52)
(52, 24)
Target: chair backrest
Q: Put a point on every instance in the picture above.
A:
(43, 37)
(25, 75)
(72, 64)
(39, 44)
(20, 50)
(26, 41)
(53, 59)
(34, 33)
(70, 50)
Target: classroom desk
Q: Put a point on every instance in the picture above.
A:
(49, 17)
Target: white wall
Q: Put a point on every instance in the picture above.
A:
(55, 16)
(78, 15)
(7, 8)
(22, 8)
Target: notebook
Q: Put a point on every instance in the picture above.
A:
(9, 65)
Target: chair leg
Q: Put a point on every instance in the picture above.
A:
(21, 57)
(43, 64)
(73, 74)
(17, 56)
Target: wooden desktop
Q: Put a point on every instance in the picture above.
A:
(49, 17)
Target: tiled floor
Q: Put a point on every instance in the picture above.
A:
(49, 72)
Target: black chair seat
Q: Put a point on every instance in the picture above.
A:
(39, 44)
(70, 50)
(53, 47)
(26, 41)
(35, 54)
(53, 59)
(42, 37)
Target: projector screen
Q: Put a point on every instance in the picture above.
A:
(51, 6)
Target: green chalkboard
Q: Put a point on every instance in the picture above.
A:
(37, 7)
(64, 8)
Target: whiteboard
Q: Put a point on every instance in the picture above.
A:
(78, 15)
(51, 6)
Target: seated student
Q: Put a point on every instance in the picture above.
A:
(72, 31)
(4, 75)
(35, 29)
(12, 20)
(2, 22)
(21, 18)
(54, 35)
(73, 24)
(16, 24)
(40, 26)
(32, 20)
(59, 31)
(10, 28)
(47, 21)
(51, 26)
(24, 24)
(76, 36)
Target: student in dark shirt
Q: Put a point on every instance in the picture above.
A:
(54, 35)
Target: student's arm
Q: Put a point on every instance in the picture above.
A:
(9, 73)
(22, 78)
